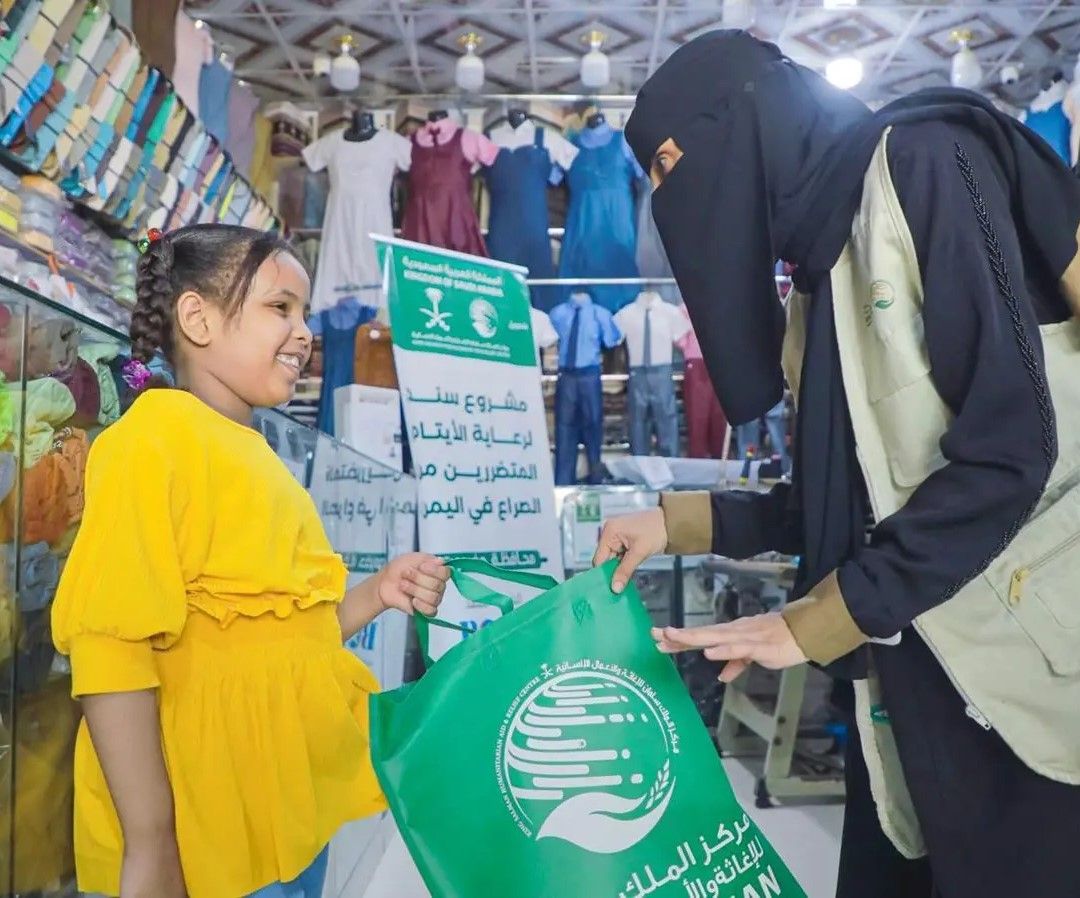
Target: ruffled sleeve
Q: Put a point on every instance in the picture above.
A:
(122, 593)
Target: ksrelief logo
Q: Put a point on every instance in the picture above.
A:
(585, 756)
(882, 295)
(485, 320)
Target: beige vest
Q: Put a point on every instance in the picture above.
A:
(1009, 640)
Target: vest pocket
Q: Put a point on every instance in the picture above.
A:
(906, 405)
(1038, 580)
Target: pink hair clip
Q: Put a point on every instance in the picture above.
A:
(136, 375)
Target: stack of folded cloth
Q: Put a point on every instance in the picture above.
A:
(39, 218)
(82, 245)
(125, 259)
(10, 201)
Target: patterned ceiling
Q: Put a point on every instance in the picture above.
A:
(534, 46)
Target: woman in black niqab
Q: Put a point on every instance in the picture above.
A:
(757, 159)
(771, 167)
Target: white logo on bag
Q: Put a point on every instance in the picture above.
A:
(563, 766)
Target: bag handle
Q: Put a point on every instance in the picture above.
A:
(477, 592)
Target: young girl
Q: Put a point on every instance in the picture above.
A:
(225, 735)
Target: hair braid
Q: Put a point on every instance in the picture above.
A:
(151, 319)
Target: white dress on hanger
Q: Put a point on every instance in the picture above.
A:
(361, 174)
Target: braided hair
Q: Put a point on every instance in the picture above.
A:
(217, 261)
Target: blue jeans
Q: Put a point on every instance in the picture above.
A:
(749, 434)
(651, 401)
(776, 424)
(579, 418)
(308, 884)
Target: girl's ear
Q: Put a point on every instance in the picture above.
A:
(193, 319)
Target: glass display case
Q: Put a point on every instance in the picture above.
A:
(61, 386)
(61, 381)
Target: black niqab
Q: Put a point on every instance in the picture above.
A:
(773, 163)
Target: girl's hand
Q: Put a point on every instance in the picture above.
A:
(152, 870)
(413, 582)
(764, 639)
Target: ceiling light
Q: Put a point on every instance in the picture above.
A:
(469, 73)
(839, 4)
(595, 65)
(845, 72)
(738, 13)
(199, 23)
(345, 69)
(966, 71)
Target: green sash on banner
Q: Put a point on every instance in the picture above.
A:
(557, 754)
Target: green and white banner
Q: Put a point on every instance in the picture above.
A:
(368, 512)
(470, 384)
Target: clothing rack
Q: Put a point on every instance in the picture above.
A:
(462, 99)
(598, 282)
(676, 377)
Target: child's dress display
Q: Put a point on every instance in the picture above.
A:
(209, 579)
(1047, 117)
(337, 327)
(600, 238)
(706, 423)
(529, 159)
(440, 210)
(361, 174)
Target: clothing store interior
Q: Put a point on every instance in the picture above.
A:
(386, 140)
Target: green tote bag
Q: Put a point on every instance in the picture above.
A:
(557, 754)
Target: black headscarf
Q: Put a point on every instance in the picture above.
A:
(773, 166)
(773, 163)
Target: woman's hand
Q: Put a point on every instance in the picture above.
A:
(151, 869)
(413, 582)
(764, 639)
(636, 537)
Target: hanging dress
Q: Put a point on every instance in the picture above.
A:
(1047, 117)
(361, 173)
(600, 235)
(440, 211)
(518, 224)
(337, 327)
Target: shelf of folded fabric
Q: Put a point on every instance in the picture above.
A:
(121, 143)
(72, 275)
(67, 271)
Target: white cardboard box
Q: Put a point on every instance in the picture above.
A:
(369, 420)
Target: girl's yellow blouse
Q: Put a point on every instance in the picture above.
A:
(202, 571)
